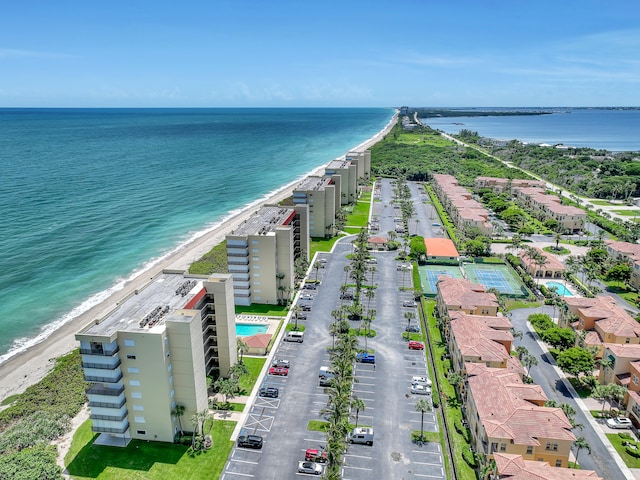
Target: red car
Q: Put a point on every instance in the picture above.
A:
(413, 345)
(279, 371)
(315, 455)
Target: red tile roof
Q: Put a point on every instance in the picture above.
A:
(514, 467)
(440, 247)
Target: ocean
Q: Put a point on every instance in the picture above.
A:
(607, 129)
(92, 197)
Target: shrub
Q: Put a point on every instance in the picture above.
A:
(634, 452)
(468, 457)
(625, 436)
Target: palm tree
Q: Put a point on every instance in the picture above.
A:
(296, 311)
(409, 316)
(423, 405)
(279, 278)
(358, 405)
(529, 361)
(580, 443)
(241, 347)
(370, 293)
(317, 265)
(178, 412)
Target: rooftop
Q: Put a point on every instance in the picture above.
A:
(153, 304)
(265, 220)
(314, 183)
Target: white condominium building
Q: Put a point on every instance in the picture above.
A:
(319, 193)
(261, 254)
(154, 351)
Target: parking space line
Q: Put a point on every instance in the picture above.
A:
(238, 473)
(357, 468)
(243, 461)
(357, 456)
(425, 463)
(252, 450)
(428, 476)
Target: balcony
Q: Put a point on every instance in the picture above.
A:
(112, 418)
(117, 403)
(104, 366)
(100, 390)
(112, 379)
(120, 430)
(100, 351)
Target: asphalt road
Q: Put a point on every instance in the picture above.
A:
(554, 387)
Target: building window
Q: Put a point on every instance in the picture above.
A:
(494, 447)
(628, 340)
(136, 395)
(529, 450)
(255, 242)
(133, 370)
(169, 368)
(141, 432)
(635, 380)
(129, 343)
(503, 447)
(173, 392)
(130, 356)
(558, 463)
(138, 408)
(134, 383)
(171, 380)
(139, 420)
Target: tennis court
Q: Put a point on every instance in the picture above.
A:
(498, 276)
(429, 276)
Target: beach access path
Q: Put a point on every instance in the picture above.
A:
(29, 367)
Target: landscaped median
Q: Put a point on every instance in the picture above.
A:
(463, 458)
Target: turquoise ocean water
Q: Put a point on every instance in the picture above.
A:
(614, 130)
(92, 197)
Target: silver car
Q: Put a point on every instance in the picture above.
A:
(619, 422)
(310, 467)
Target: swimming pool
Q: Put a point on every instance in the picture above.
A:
(248, 329)
(559, 288)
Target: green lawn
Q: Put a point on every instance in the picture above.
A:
(451, 408)
(142, 460)
(322, 244)
(360, 214)
(254, 365)
(603, 202)
(629, 460)
(627, 213)
(262, 309)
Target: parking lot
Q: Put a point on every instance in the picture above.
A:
(384, 386)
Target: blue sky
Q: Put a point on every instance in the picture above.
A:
(263, 53)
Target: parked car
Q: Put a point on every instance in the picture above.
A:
(435, 225)
(618, 422)
(250, 441)
(362, 435)
(413, 345)
(346, 296)
(412, 329)
(322, 260)
(409, 303)
(418, 389)
(281, 362)
(307, 296)
(315, 455)
(310, 467)
(364, 357)
(279, 371)
(269, 392)
(305, 307)
(310, 286)
(421, 380)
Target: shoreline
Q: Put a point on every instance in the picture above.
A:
(31, 365)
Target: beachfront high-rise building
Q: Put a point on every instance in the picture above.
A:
(261, 253)
(347, 172)
(154, 352)
(319, 193)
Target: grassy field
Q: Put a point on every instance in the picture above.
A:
(142, 460)
(360, 214)
(627, 213)
(604, 202)
(322, 244)
(254, 365)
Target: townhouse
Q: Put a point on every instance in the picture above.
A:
(459, 294)
(154, 351)
(599, 321)
(504, 185)
(507, 416)
(628, 252)
(261, 254)
(464, 211)
(481, 339)
(541, 264)
(514, 467)
(535, 200)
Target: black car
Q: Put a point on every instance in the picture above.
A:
(305, 308)
(412, 329)
(270, 392)
(250, 441)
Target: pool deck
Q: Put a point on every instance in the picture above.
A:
(271, 322)
(570, 288)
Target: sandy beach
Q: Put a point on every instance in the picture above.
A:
(30, 366)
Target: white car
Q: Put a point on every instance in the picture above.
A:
(619, 422)
(418, 389)
(310, 467)
(409, 303)
(421, 381)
